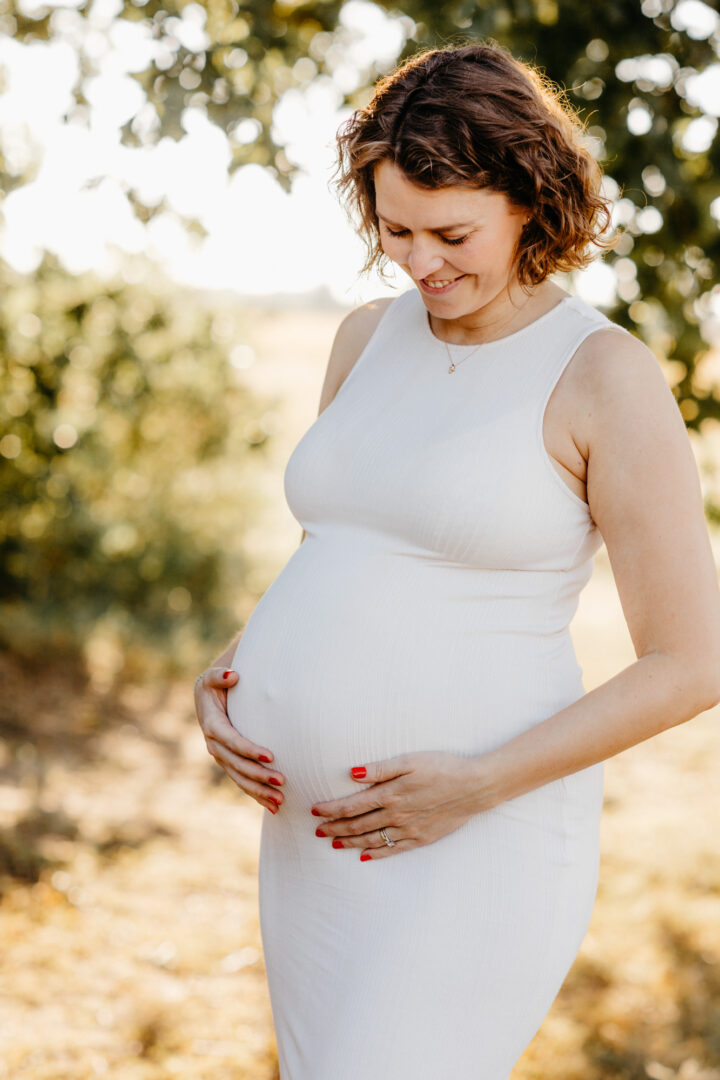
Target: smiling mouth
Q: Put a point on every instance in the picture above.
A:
(440, 283)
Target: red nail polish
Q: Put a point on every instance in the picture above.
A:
(274, 780)
(338, 843)
(271, 809)
(319, 832)
(358, 772)
(365, 857)
(276, 801)
(316, 813)
(263, 757)
(227, 674)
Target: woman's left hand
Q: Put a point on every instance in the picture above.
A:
(416, 797)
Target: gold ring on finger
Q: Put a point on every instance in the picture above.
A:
(386, 838)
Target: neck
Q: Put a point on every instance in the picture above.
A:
(507, 311)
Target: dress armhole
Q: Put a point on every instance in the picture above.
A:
(382, 321)
(550, 386)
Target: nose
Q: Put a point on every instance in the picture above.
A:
(422, 262)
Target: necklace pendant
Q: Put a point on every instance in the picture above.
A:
(451, 368)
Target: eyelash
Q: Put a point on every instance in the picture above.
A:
(445, 240)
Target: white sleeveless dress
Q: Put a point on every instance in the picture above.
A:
(426, 609)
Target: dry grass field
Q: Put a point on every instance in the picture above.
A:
(128, 915)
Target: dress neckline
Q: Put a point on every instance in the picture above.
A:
(432, 336)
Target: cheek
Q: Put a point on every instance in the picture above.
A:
(476, 257)
(394, 250)
(485, 257)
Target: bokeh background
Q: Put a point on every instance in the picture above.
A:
(173, 268)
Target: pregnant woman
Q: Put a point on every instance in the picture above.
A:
(405, 699)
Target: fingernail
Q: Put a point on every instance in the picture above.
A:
(278, 802)
(227, 674)
(365, 857)
(274, 780)
(316, 813)
(338, 843)
(319, 832)
(271, 809)
(358, 772)
(264, 757)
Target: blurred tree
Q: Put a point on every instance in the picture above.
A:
(124, 435)
(630, 67)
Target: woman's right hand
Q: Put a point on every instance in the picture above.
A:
(241, 759)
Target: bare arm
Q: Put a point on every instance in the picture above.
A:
(248, 764)
(645, 496)
(351, 337)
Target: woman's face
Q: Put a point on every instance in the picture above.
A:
(466, 234)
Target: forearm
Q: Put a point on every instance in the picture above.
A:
(657, 692)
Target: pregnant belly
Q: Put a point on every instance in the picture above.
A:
(330, 678)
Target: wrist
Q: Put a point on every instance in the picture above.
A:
(483, 783)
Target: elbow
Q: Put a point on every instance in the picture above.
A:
(710, 678)
(706, 686)
(696, 680)
(713, 699)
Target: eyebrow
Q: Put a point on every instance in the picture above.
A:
(440, 228)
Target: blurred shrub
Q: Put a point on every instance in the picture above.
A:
(124, 438)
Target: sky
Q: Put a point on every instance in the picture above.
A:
(260, 239)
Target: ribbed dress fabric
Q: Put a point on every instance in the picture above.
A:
(428, 608)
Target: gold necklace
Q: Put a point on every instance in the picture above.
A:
(456, 363)
(453, 365)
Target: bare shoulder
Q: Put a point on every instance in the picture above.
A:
(644, 493)
(351, 337)
(630, 429)
(615, 380)
(611, 354)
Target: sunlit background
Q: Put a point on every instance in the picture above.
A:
(174, 265)
(259, 238)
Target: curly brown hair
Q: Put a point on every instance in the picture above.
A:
(474, 115)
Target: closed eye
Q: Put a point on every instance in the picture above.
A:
(445, 239)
